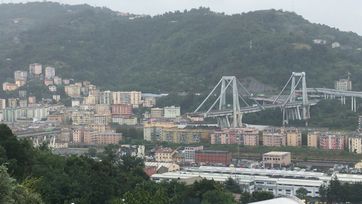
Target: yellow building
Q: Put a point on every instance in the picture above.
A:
(274, 139)
(294, 138)
(72, 90)
(82, 117)
(355, 144)
(153, 131)
(251, 137)
(183, 136)
(313, 139)
(164, 155)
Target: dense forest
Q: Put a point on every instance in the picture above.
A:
(174, 52)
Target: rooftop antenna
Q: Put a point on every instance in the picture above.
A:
(348, 75)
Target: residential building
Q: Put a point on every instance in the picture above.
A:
(332, 141)
(99, 127)
(48, 82)
(164, 155)
(122, 109)
(56, 98)
(131, 97)
(226, 136)
(274, 139)
(343, 85)
(156, 113)
(9, 86)
(149, 102)
(52, 88)
(22, 94)
(280, 159)
(82, 117)
(20, 75)
(171, 112)
(66, 81)
(103, 109)
(49, 72)
(72, 90)
(12, 102)
(153, 131)
(105, 97)
(103, 119)
(313, 139)
(35, 69)
(182, 135)
(294, 138)
(25, 113)
(90, 100)
(213, 157)
(31, 100)
(102, 138)
(57, 80)
(189, 153)
(250, 137)
(2, 103)
(124, 120)
(23, 103)
(355, 144)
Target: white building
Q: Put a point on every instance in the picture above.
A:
(105, 97)
(2, 103)
(20, 75)
(57, 80)
(49, 72)
(35, 69)
(171, 112)
(52, 88)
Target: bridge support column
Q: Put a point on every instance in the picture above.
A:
(353, 104)
(343, 100)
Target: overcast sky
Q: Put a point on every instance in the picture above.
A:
(343, 14)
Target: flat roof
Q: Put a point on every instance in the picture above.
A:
(241, 178)
(273, 153)
(280, 201)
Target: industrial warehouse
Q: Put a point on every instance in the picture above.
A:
(278, 182)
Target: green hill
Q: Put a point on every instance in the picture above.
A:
(180, 51)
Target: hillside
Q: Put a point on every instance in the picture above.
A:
(181, 51)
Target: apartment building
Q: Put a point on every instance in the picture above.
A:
(294, 138)
(122, 109)
(49, 72)
(355, 144)
(313, 139)
(164, 155)
(332, 141)
(72, 90)
(102, 138)
(35, 69)
(274, 139)
(171, 112)
(183, 135)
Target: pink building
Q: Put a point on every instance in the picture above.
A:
(226, 136)
(122, 109)
(331, 141)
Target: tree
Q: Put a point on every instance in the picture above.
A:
(261, 195)
(232, 186)
(302, 193)
(217, 197)
(11, 192)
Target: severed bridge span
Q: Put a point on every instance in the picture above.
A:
(229, 100)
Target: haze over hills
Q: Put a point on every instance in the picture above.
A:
(181, 51)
